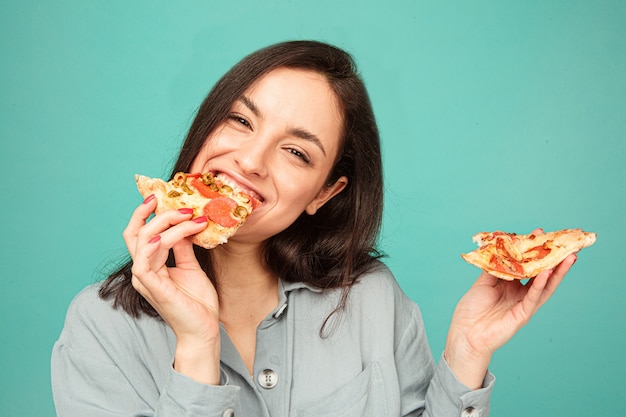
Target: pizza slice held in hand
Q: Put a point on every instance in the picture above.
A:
(510, 256)
(224, 204)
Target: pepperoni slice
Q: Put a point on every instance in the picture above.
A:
(219, 210)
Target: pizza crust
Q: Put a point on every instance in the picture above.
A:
(510, 256)
(170, 195)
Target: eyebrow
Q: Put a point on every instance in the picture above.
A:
(250, 105)
(296, 131)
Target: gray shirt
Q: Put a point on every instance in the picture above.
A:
(375, 361)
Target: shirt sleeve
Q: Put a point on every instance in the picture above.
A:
(447, 396)
(429, 389)
(91, 377)
(184, 397)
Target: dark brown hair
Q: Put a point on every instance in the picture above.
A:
(332, 248)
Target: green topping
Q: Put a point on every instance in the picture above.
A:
(240, 212)
(180, 178)
(186, 188)
(207, 178)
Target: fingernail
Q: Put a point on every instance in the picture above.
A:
(149, 199)
(575, 259)
(201, 219)
(185, 210)
(155, 239)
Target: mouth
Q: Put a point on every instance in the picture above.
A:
(237, 186)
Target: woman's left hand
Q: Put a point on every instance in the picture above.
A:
(488, 316)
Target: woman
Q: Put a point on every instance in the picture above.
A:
(295, 315)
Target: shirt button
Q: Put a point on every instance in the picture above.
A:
(229, 412)
(470, 412)
(267, 378)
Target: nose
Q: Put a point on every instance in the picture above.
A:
(252, 157)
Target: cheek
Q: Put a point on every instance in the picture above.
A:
(301, 187)
(209, 150)
(298, 194)
(197, 166)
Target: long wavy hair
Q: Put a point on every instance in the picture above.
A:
(335, 246)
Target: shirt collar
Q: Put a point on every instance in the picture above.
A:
(284, 288)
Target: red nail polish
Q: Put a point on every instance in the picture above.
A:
(185, 210)
(155, 239)
(575, 259)
(201, 219)
(149, 199)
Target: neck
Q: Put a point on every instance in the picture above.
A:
(245, 285)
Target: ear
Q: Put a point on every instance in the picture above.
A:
(326, 194)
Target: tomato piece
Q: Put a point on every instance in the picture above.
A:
(538, 252)
(517, 267)
(254, 202)
(203, 189)
(501, 248)
(496, 263)
(219, 210)
(504, 262)
(506, 265)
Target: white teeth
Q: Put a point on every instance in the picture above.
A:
(236, 186)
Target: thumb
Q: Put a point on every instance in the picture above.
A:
(185, 255)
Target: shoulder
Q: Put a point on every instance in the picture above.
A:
(88, 299)
(92, 323)
(381, 285)
(88, 309)
(378, 296)
(87, 306)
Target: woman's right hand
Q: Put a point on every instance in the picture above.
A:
(182, 295)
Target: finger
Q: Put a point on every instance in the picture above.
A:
(143, 254)
(153, 243)
(487, 279)
(143, 277)
(184, 254)
(161, 222)
(177, 230)
(565, 265)
(557, 277)
(174, 235)
(169, 220)
(154, 284)
(533, 296)
(138, 237)
(544, 285)
(137, 221)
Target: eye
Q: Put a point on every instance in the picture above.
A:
(239, 119)
(300, 155)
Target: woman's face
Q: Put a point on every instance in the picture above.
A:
(279, 142)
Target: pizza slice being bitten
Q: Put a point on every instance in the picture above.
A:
(510, 256)
(224, 204)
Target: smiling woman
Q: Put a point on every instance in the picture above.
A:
(281, 140)
(295, 315)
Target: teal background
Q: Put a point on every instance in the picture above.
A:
(493, 115)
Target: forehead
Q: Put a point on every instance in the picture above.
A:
(304, 80)
(302, 98)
